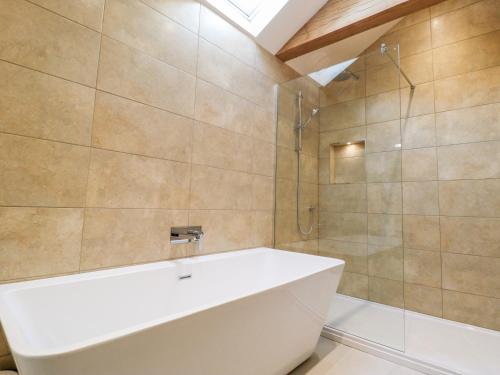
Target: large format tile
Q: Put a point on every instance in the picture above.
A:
(383, 107)
(38, 242)
(349, 227)
(385, 230)
(385, 198)
(127, 72)
(118, 180)
(213, 188)
(354, 254)
(385, 261)
(471, 274)
(184, 12)
(115, 237)
(343, 91)
(343, 115)
(421, 232)
(388, 292)
(36, 38)
(418, 67)
(87, 12)
(420, 198)
(128, 126)
(343, 197)
(470, 235)
(42, 173)
(417, 102)
(383, 167)
(42, 106)
(384, 136)
(354, 284)
(420, 164)
(137, 25)
(424, 299)
(419, 131)
(263, 192)
(422, 267)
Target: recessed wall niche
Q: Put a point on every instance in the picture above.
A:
(347, 162)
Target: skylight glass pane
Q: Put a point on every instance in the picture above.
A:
(247, 7)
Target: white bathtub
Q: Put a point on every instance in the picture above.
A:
(255, 312)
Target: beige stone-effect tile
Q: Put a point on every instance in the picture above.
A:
(263, 193)
(418, 67)
(384, 136)
(471, 309)
(468, 235)
(467, 56)
(385, 230)
(343, 91)
(383, 107)
(354, 284)
(420, 198)
(385, 262)
(42, 173)
(469, 198)
(132, 74)
(263, 160)
(4, 348)
(286, 198)
(39, 39)
(213, 188)
(118, 180)
(354, 254)
(388, 292)
(469, 161)
(471, 274)
(217, 147)
(476, 19)
(137, 25)
(422, 267)
(467, 90)
(473, 124)
(89, 12)
(385, 198)
(384, 167)
(418, 131)
(271, 66)
(420, 164)
(287, 229)
(381, 78)
(449, 6)
(413, 18)
(421, 232)
(262, 228)
(349, 170)
(348, 227)
(423, 299)
(128, 126)
(117, 237)
(184, 12)
(42, 106)
(343, 115)
(38, 242)
(343, 197)
(417, 102)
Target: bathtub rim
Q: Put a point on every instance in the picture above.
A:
(19, 346)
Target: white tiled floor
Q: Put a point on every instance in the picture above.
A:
(332, 358)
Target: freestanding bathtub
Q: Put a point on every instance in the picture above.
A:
(250, 312)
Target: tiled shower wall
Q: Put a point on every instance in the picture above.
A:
(437, 199)
(122, 118)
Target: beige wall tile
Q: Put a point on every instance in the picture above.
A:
(469, 161)
(422, 267)
(348, 227)
(467, 90)
(473, 124)
(413, 18)
(88, 12)
(38, 105)
(412, 39)
(418, 68)
(121, 237)
(381, 78)
(420, 198)
(385, 198)
(343, 115)
(224, 230)
(287, 163)
(127, 72)
(42, 173)
(262, 193)
(343, 91)
(471, 274)
(213, 188)
(423, 299)
(286, 133)
(385, 261)
(309, 169)
(184, 12)
(418, 131)
(270, 65)
(4, 348)
(421, 232)
(306, 247)
(383, 167)
(469, 235)
(38, 242)
(222, 69)
(39, 39)
(383, 107)
(471, 309)
(467, 55)
(384, 229)
(327, 139)
(388, 292)
(221, 148)
(349, 170)
(308, 87)
(224, 35)
(324, 171)
(139, 26)
(118, 180)
(286, 226)
(476, 19)
(354, 254)
(420, 164)
(343, 197)
(354, 284)
(417, 102)
(262, 228)
(385, 136)
(286, 194)
(128, 126)
(449, 5)
(263, 160)
(469, 198)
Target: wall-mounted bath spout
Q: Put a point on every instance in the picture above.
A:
(384, 51)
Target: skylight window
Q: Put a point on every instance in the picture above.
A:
(248, 7)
